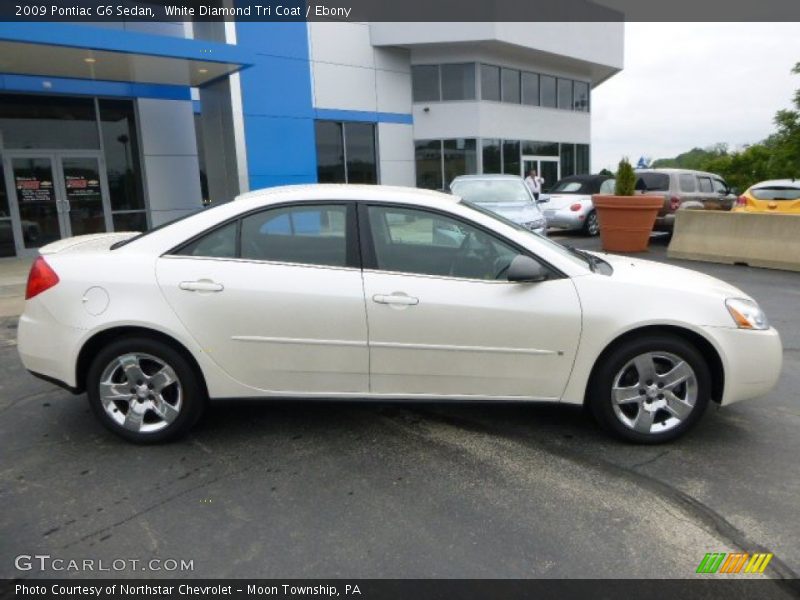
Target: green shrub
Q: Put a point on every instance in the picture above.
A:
(626, 179)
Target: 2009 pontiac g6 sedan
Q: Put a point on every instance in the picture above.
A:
(337, 291)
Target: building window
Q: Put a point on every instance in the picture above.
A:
(531, 148)
(565, 94)
(490, 83)
(346, 152)
(425, 83)
(547, 87)
(511, 158)
(440, 161)
(121, 149)
(530, 89)
(582, 166)
(428, 158)
(581, 99)
(567, 160)
(458, 81)
(7, 247)
(460, 157)
(359, 149)
(48, 122)
(432, 83)
(492, 159)
(510, 86)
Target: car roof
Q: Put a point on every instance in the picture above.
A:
(794, 183)
(669, 170)
(343, 191)
(486, 176)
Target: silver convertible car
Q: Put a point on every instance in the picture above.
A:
(505, 195)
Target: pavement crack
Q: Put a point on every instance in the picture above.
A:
(649, 460)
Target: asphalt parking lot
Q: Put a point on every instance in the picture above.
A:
(344, 489)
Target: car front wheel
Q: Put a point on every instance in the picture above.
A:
(144, 390)
(651, 390)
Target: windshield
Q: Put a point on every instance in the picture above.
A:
(565, 252)
(492, 190)
(776, 192)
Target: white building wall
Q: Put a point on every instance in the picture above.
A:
(348, 73)
(169, 148)
(500, 120)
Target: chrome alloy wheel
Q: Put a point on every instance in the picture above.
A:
(654, 392)
(140, 392)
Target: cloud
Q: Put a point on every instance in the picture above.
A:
(693, 84)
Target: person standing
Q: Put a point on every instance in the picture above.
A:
(535, 183)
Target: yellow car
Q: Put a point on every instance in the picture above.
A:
(776, 196)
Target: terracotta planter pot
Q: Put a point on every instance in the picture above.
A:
(626, 221)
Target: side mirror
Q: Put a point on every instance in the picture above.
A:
(524, 269)
(543, 198)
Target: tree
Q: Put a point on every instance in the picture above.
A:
(626, 179)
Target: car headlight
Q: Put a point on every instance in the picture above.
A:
(746, 314)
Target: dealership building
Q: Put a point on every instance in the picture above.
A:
(124, 126)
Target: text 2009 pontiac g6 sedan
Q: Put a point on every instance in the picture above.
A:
(382, 293)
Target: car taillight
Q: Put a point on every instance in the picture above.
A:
(741, 201)
(41, 278)
(674, 202)
(575, 207)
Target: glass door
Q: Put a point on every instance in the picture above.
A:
(34, 188)
(83, 194)
(547, 168)
(55, 195)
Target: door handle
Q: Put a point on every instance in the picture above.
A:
(202, 285)
(397, 299)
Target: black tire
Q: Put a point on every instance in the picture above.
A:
(603, 379)
(191, 389)
(591, 226)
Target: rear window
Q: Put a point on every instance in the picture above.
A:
(776, 192)
(574, 187)
(655, 182)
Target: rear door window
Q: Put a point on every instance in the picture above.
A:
(687, 182)
(312, 235)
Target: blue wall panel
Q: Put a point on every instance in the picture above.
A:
(277, 104)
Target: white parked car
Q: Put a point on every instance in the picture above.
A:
(338, 291)
(569, 204)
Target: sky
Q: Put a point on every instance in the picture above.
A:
(687, 85)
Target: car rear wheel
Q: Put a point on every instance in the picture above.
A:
(651, 390)
(592, 226)
(144, 390)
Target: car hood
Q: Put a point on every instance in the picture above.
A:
(559, 201)
(519, 212)
(655, 274)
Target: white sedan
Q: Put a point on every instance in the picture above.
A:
(382, 293)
